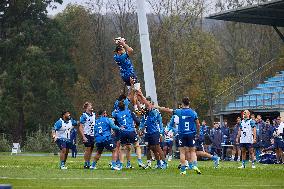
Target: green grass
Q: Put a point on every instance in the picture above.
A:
(43, 172)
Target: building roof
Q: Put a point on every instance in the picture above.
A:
(270, 13)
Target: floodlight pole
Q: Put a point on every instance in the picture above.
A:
(149, 78)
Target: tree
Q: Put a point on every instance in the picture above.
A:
(35, 66)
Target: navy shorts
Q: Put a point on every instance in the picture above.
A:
(153, 139)
(246, 145)
(61, 143)
(199, 146)
(278, 143)
(128, 137)
(256, 145)
(108, 144)
(116, 136)
(127, 79)
(168, 144)
(91, 141)
(186, 140)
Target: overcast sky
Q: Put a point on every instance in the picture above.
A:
(61, 7)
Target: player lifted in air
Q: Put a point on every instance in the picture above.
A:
(102, 131)
(246, 137)
(127, 72)
(86, 130)
(61, 135)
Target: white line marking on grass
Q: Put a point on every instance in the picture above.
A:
(76, 178)
(148, 186)
(263, 185)
(9, 166)
(151, 186)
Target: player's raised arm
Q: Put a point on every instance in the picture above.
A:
(112, 125)
(128, 49)
(143, 100)
(164, 109)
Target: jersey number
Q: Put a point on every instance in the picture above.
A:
(186, 126)
(100, 129)
(91, 127)
(68, 133)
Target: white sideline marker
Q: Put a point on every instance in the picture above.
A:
(76, 178)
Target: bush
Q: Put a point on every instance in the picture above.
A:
(39, 141)
(5, 145)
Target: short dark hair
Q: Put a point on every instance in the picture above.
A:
(121, 97)
(118, 48)
(121, 105)
(186, 101)
(101, 112)
(64, 112)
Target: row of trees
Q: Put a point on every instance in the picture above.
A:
(52, 64)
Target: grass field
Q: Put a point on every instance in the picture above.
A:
(43, 172)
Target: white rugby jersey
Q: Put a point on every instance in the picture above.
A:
(88, 121)
(65, 129)
(247, 131)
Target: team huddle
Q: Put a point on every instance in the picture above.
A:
(135, 116)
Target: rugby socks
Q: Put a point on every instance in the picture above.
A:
(62, 163)
(118, 162)
(158, 163)
(94, 164)
(194, 163)
(140, 161)
(87, 164)
(214, 158)
(182, 169)
(244, 163)
(128, 164)
(190, 165)
(113, 163)
(252, 162)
